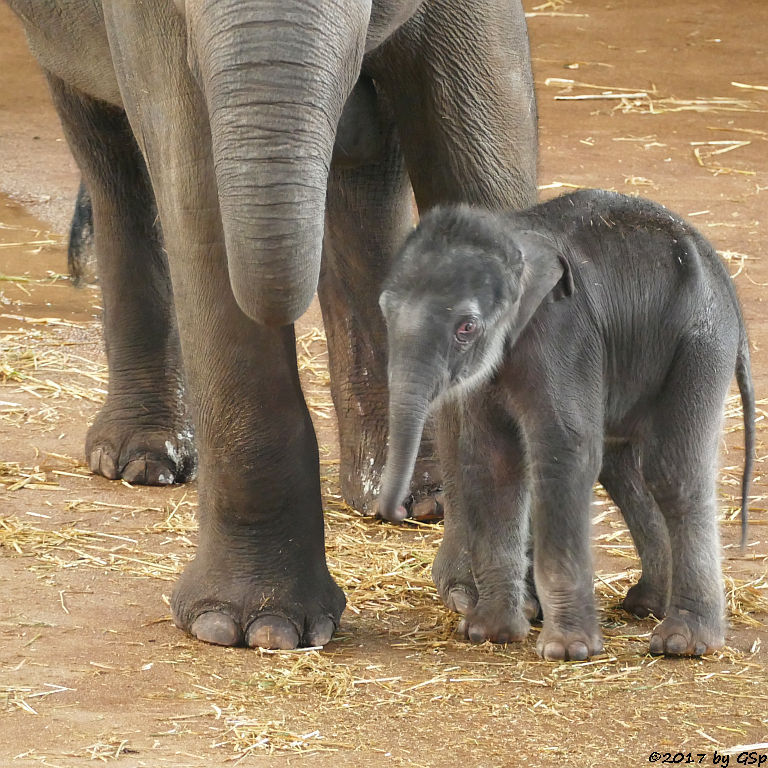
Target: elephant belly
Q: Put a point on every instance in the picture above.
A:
(386, 17)
(69, 40)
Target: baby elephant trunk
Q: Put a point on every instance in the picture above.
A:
(408, 407)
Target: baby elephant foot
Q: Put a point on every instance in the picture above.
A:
(499, 625)
(452, 574)
(555, 644)
(643, 600)
(685, 634)
(138, 454)
(531, 605)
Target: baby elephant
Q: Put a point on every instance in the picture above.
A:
(591, 337)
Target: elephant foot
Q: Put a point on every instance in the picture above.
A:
(428, 510)
(240, 607)
(572, 644)
(452, 575)
(360, 481)
(643, 600)
(144, 455)
(531, 604)
(499, 624)
(683, 633)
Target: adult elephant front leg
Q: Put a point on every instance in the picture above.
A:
(260, 575)
(369, 214)
(460, 81)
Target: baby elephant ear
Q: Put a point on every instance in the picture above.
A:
(546, 274)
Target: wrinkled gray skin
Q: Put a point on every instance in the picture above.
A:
(592, 337)
(236, 151)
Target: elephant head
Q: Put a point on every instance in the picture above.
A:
(459, 294)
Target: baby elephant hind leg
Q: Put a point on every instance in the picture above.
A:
(622, 477)
(563, 480)
(680, 467)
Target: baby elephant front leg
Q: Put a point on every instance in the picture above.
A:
(493, 496)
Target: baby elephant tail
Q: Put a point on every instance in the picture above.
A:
(747, 391)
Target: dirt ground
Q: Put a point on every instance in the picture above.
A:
(91, 667)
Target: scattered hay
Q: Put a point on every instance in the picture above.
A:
(33, 357)
(751, 87)
(245, 736)
(554, 8)
(312, 358)
(639, 181)
(704, 151)
(17, 697)
(747, 599)
(646, 100)
(110, 748)
(69, 547)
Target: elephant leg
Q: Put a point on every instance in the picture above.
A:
(564, 469)
(142, 433)
(259, 575)
(622, 477)
(680, 469)
(369, 215)
(452, 567)
(460, 81)
(492, 499)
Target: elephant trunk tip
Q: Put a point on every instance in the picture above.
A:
(388, 506)
(395, 513)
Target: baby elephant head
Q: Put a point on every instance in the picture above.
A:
(459, 294)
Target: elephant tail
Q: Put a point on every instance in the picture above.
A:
(747, 392)
(80, 250)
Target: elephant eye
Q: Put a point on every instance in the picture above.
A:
(466, 330)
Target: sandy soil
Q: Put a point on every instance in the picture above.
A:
(91, 667)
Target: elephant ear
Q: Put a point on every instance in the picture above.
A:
(546, 276)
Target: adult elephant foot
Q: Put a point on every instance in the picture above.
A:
(245, 604)
(643, 600)
(683, 633)
(141, 451)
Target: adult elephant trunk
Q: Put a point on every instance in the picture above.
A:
(410, 395)
(275, 76)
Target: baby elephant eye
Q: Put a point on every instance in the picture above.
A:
(466, 331)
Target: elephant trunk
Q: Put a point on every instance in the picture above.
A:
(275, 76)
(409, 401)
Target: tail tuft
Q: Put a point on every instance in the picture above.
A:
(80, 250)
(747, 391)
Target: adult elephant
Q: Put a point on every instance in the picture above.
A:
(217, 121)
